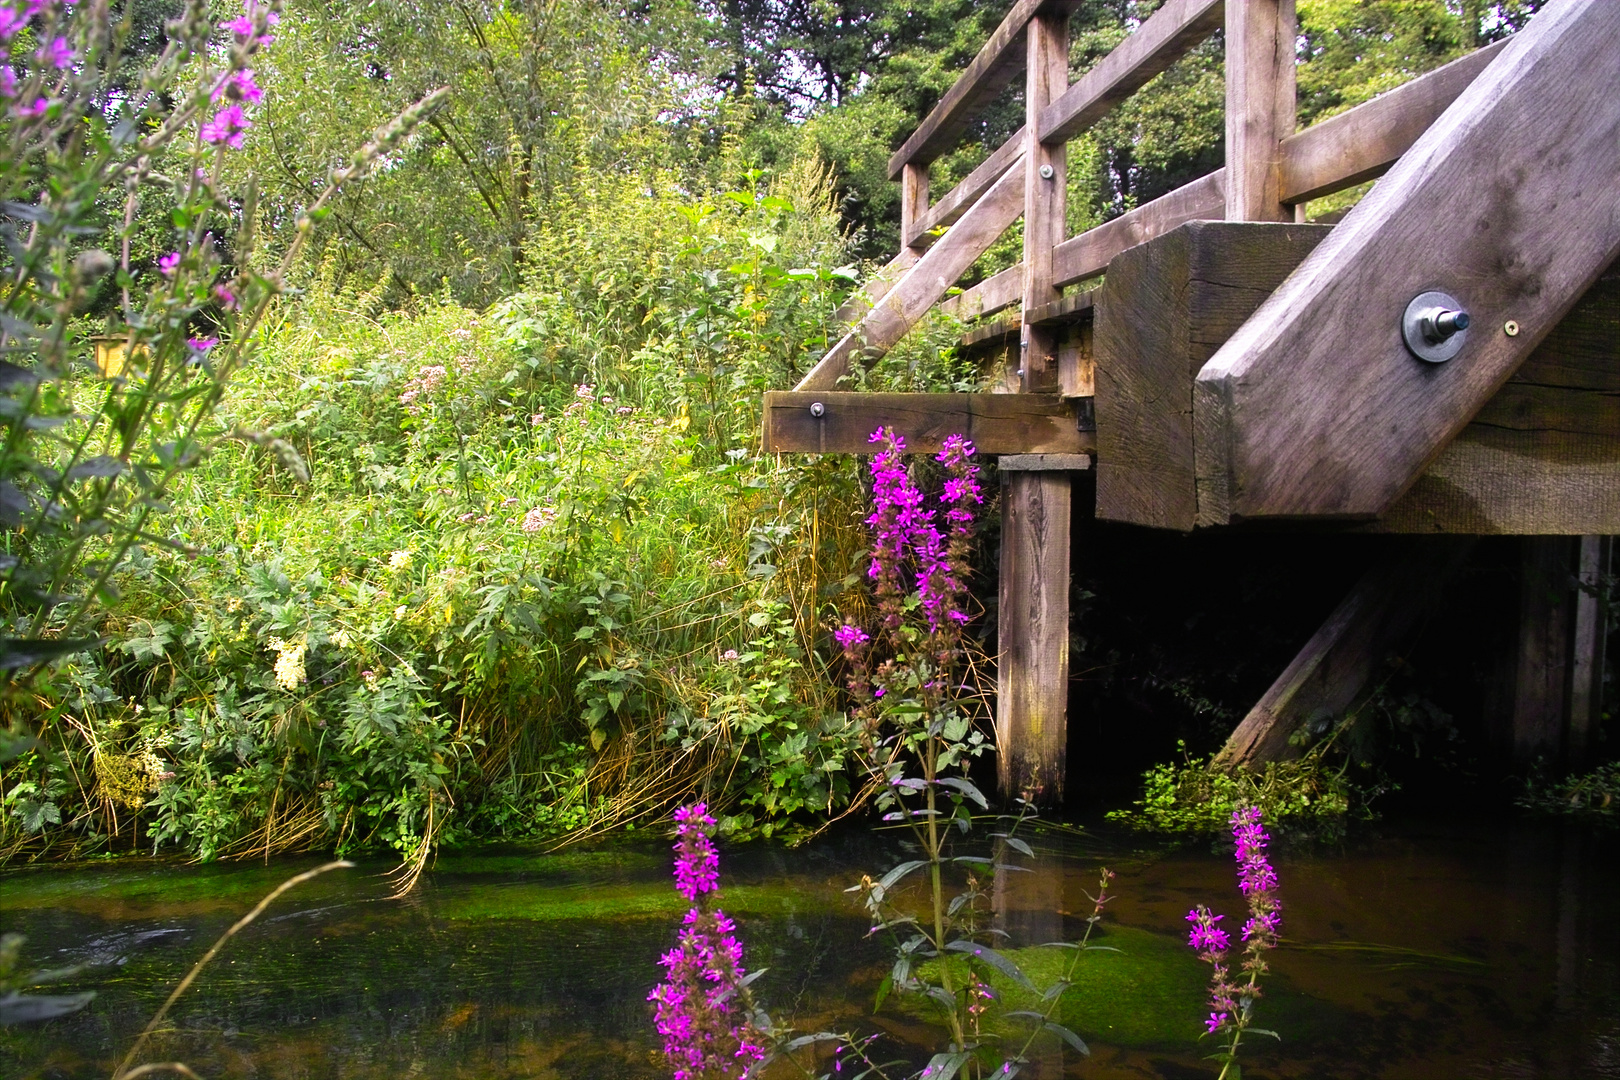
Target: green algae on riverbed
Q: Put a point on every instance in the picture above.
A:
(1139, 989)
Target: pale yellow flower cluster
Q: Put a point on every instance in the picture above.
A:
(399, 560)
(289, 662)
(128, 779)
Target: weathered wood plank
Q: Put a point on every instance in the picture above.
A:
(1541, 680)
(876, 287)
(1044, 462)
(923, 285)
(957, 201)
(1032, 669)
(1363, 142)
(1045, 190)
(1333, 668)
(998, 62)
(997, 423)
(913, 198)
(1508, 203)
(1164, 310)
(1088, 254)
(1588, 643)
(1259, 106)
(1169, 34)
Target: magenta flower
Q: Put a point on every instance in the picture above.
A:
(226, 298)
(240, 86)
(201, 345)
(169, 263)
(851, 636)
(58, 53)
(226, 127)
(697, 864)
(39, 108)
(1233, 1002)
(8, 81)
(696, 1008)
(244, 29)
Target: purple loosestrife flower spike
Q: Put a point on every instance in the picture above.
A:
(696, 1007)
(697, 864)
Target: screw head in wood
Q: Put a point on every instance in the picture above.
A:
(1434, 326)
(1047, 172)
(817, 409)
(1511, 328)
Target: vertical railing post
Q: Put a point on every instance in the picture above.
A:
(1260, 106)
(913, 200)
(1033, 624)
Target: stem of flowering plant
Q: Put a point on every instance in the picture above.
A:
(930, 770)
(1074, 962)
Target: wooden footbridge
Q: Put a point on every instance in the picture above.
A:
(1443, 360)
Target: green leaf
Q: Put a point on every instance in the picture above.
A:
(996, 960)
(885, 988)
(1067, 1036)
(888, 880)
(946, 1066)
(966, 787)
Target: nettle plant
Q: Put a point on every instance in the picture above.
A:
(97, 147)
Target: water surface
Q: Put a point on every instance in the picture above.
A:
(1415, 949)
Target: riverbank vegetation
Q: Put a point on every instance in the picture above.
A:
(482, 544)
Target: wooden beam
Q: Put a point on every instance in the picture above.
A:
(1334, 667)
(957, 201)
(998, 62)
(1087, 255)
(1170, 33)
(1032, 665)
(997, 423)
(913, 199)
(1045, 191)
(1541, 677)
(1259, 106)
(1362, 143)
(1164, 310)
(1044, 462)
(1314, 408)
(1592, 562)
(926, 281)
(876, 287)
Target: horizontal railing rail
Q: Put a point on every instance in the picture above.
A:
(940, 240)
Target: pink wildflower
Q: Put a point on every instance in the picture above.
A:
(226, 127)
(58, 53)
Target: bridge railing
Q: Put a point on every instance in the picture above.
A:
(1270, 169)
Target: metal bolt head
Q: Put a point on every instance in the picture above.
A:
(1434, 326)
(817, 409)
(1511, 328)
(1047, 172)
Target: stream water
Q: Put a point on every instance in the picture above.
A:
(1412, 949)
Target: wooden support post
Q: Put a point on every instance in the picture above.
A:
(1032, 672)
(1260, 109)
(1165, 309)
(1339, 660)
(1546, 617)
(1033, 667)
(1592, 561)
(913, 200)
(1045, 190)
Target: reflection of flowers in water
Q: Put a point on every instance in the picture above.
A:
(696, 1006)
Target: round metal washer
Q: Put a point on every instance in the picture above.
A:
(1435, 352)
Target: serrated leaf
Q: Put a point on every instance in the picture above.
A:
(1000, 962)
